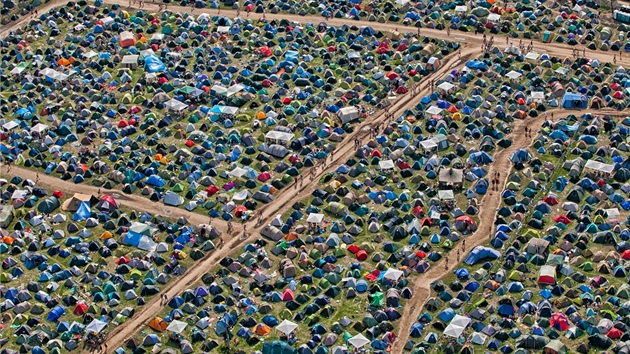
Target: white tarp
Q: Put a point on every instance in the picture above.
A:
(279, 136)
(315, 218)
(537, 95)
(457, 326)
(599, 166)
(461, 8)
(434, 110)
(175, 105)
(95, 326)
(386, 164)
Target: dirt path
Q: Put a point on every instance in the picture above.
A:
(131, 201)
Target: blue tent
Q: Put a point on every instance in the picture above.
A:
(416, 330)
(155, 180)
(56, 313)
(480, 253)
(574, 100)
(83, 212)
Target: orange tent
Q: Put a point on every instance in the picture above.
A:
(158, 324)
(8, 240)
(106, 235)
(262, 329)
(291, 236)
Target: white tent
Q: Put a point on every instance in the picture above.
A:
(446, 195)
(434, 110)
(457, 326)
(348, 114)
(237, 172)
(599, 166)
(279, 137)
(175, 105)
(446, 86)
(10, 125)
(513, 75)
(177, 326)
(461, 8)
(287, 327)
(532, 56)
(95, 326)
(428, 144)
(39, 128)
(393, 274)
(358, 341)
(386, 164)
(315, 218)
(494, 17)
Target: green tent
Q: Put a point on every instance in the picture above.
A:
(278, 347)
(48, 205)
(6, 216)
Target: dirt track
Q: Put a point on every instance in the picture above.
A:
(420, 285)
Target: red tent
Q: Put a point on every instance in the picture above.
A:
(417, 210)
(362, 255)
(353, 248)
(401, 89)
(402, 47)
(287, 100)
(404, 165)
(426, 222)
(287, 295)
(392, 75)
(122, 124)
(249, 8)
(211, 190)
(265, 51)
(563, 219)
(614, 333)
(551, 200)
(189, 143)
(413, 72)
(110, 200)
(267, 83)
(421, 254)
(376, 153)
(80, 309)
(123, 260)
(264, 176)
(332, 49)
(57, 194)
(625, 254)
(618, 95)
(373, 276)
(559, 322)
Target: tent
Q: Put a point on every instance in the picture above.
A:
(481, 253)
(278, 347)
(547, 275)
(457, 325)
(574, 101)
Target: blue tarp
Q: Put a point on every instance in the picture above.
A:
(480, 253)
(153, 64)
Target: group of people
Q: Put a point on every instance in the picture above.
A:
(495, 180)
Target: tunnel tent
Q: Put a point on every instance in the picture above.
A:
(348, 114)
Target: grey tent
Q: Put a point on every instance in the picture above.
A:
(272, 233)
(274, 150)
(6, 215)
(263, 197)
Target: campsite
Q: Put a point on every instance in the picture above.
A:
(75, 267)
(483, 205)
